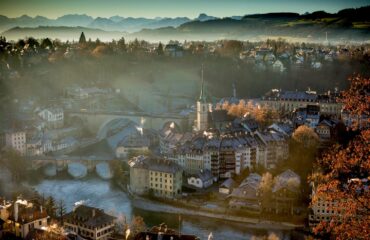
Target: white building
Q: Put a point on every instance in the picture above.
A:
(16, 139)
(54, 117)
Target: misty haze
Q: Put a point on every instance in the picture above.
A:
(184, 120)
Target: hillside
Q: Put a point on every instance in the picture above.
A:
(346, 25)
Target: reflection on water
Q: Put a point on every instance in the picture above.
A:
(102, 194)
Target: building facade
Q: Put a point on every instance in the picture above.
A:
(162, 178)
(291, 100)
(89, 223)
(16, 139)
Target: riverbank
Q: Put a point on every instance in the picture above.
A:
(150, 205)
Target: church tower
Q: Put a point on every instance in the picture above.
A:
(202, 109)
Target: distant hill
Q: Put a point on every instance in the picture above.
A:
(347, 24)
(62, 33)
(114, 23)
(204, 17)
(70, 20)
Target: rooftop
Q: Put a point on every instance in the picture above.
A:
(90, 216)
(158, 165)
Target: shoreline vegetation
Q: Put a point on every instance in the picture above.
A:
(170, 206)
(257, 223)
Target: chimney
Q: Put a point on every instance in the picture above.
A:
(93, 213)
(16, 211)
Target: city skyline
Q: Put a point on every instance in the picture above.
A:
(166, 8)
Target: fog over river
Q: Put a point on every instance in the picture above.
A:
(102, 194)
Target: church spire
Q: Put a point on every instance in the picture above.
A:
(202, 97)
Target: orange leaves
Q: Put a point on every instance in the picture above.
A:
(345, 180)
(306, 136)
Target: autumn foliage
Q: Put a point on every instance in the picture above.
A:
(263, 115)
(306, 136)
(357, 101)
(344, 179)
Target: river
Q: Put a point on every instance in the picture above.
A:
(102, 194)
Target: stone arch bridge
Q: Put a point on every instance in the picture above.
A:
(96, 121)
(63, 162)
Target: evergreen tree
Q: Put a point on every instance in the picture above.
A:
(82, 38)
(160, 51)
(122, 44)
(46, 43)
(33, 43)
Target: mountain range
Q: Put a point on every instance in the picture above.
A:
(345, 25)
(114, 23)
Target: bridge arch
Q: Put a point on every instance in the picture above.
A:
(112, 124)
(97, 122)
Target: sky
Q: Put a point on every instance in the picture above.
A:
(168, 8)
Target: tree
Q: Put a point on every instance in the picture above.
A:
(46, 43)
(61, 210)
(50, 206)
(356, 101)
(117, 170)
(82, 39)
(306, 136)
(121, 44)
(231, 48)
(345, 171)
(342, 181)
(20, 44)
(137, 225)
(263, 115)
(33, 43)
(160, 51)
(15, 163)
(265, 188)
